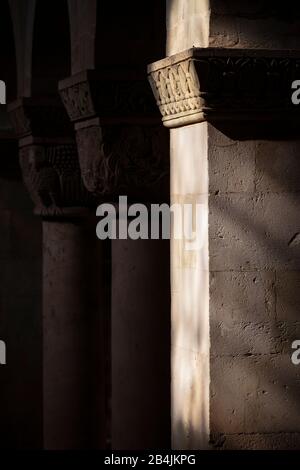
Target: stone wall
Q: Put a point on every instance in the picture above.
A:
(255, 24)
(254, 257)
(254, 292)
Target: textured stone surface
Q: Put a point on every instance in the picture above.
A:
(288, 296)
(242, 313)
(231, 164)
(254, 231)
(256, 24)
(255, 441)
(244, 296)
(254, 394)
(277, 166)
(254, 289)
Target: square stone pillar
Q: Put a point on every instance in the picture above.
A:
(190, 288)
(140, 344)
(123, 151)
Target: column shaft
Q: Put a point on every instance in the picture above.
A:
(140, 344)
(73, 336)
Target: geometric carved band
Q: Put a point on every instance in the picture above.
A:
(225, 84)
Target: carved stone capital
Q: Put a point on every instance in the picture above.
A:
(52, 176)
(123, 158)
(225, 84)
(120, 144)
(48, 158)
(123, 96)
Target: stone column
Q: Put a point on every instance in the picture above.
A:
(74, 292)
(124, 151)
(189, 269)
(190, 286)
(74, 336)
(140, 344)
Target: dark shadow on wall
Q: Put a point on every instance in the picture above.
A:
(51, 56)
(20, 279)
(130, 36)
(8, 70)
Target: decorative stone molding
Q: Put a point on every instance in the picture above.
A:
(225, 84)
(177, 92)
(77, 100)
(103, 93)
(121, 158)
(120, 143)
(48, 158)
(52, 176)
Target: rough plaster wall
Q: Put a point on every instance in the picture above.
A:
(20, 313)
(254, 257)
(254, 292)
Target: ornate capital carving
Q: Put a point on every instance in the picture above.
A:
(77, 100)
(115, 159)
(224, 84)
(120, 144)
(52, 176)
(177, 92)
(108, 95)
(48, 158)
